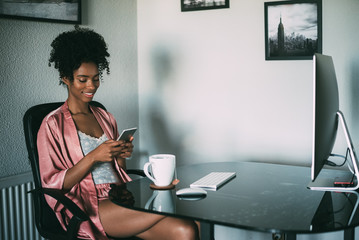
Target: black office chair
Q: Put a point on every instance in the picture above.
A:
(45, 219)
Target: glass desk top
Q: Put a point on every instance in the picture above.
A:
(262, 197)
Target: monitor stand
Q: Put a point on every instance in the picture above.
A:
(327, 184)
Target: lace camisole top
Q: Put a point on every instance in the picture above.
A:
(102, 172)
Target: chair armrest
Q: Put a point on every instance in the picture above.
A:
(136, 172)
(59, 196)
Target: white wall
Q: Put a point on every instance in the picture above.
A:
(26, 79)
(207, 93)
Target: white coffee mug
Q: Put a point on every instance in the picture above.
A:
(162, 169)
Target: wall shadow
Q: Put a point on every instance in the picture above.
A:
(162, 137)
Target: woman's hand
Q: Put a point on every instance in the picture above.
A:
(127, 149)
(111, 149)
(107, 151)
(126, 152)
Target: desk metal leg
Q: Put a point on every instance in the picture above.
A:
(349, 234)
(207, 231)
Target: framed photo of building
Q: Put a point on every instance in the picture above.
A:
(195, 5)
(293, 29)
(63, 11)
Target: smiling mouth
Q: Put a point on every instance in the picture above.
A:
(90, 95)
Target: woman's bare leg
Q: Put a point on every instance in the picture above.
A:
(172, 229)
(119, 221)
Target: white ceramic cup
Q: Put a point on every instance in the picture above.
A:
(162, 169)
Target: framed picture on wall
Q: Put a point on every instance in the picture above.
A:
(195, 5)
(293, 29)
(62, 11)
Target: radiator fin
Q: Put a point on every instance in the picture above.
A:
(17, 213)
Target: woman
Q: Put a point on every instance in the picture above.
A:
(78, 153)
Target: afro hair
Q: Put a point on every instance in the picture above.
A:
(72, 48)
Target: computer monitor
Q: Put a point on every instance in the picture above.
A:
(326, 116)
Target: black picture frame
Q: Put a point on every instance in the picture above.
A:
(60, 11)
(196, 5)
(293, 29)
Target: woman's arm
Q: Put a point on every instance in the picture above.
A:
(106, 152)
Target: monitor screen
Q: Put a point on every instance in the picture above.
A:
(326, 118)
(325, 108)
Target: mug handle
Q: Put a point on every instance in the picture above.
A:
(145, 169)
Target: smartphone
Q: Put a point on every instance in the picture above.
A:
(127, 134)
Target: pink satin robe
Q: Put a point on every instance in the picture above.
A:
(59, 149)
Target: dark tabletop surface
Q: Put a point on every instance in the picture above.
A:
(262, 197)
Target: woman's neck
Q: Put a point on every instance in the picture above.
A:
(76, 107)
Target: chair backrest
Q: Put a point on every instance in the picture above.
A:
(45, 219)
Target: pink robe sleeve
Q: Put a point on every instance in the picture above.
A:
(51, 160)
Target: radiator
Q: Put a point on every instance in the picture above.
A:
(16, 210)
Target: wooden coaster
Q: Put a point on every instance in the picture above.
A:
(153, 186)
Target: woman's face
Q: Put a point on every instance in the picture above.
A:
(85, 83)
